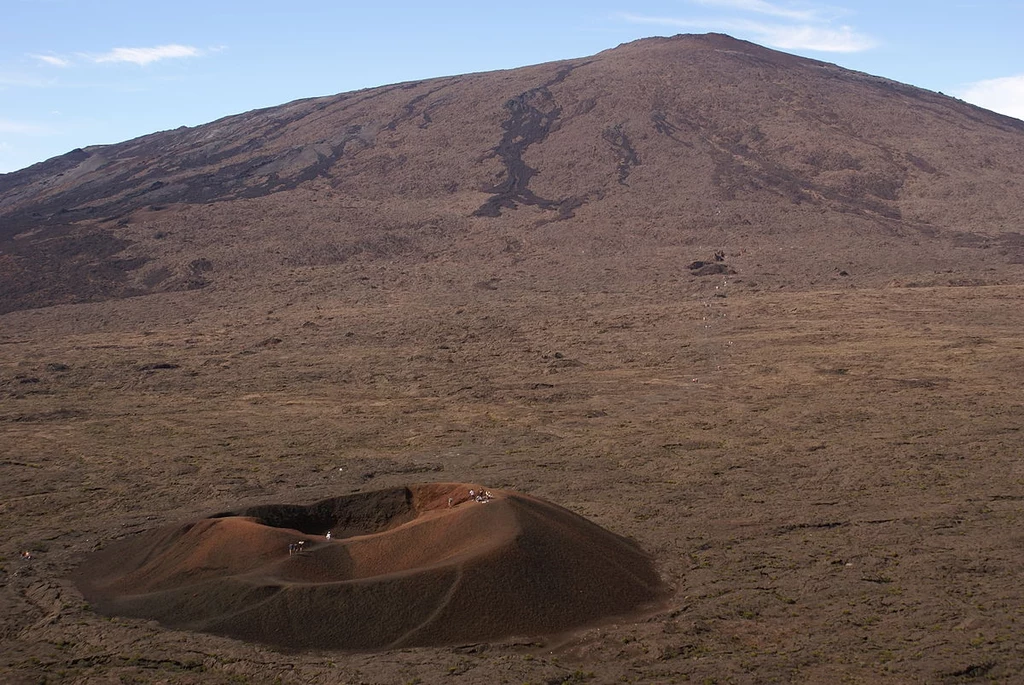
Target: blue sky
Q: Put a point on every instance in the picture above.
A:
(83, 72)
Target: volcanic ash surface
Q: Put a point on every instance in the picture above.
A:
(421, 565)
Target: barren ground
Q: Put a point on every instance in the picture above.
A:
(831, 481)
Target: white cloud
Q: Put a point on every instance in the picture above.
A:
(140, 56)
(762, 7)
(144, 56)
(1004, 95)
(52, 60)
(820, 37)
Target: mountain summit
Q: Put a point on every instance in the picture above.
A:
(652, 155)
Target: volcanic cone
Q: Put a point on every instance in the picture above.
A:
(426, 564)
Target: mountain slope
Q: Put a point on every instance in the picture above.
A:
(652, 154)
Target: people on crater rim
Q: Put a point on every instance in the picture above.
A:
(481, 496)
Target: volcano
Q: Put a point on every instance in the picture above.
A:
(429, 564)
(656, 153)
(733, 338)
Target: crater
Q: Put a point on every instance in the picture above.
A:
(422, 565)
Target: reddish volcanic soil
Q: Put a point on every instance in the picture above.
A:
(431, 564)
(755, 316)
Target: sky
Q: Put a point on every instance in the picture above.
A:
(75, 73)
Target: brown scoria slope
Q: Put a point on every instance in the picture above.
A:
(427, 564)
(648, 154)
